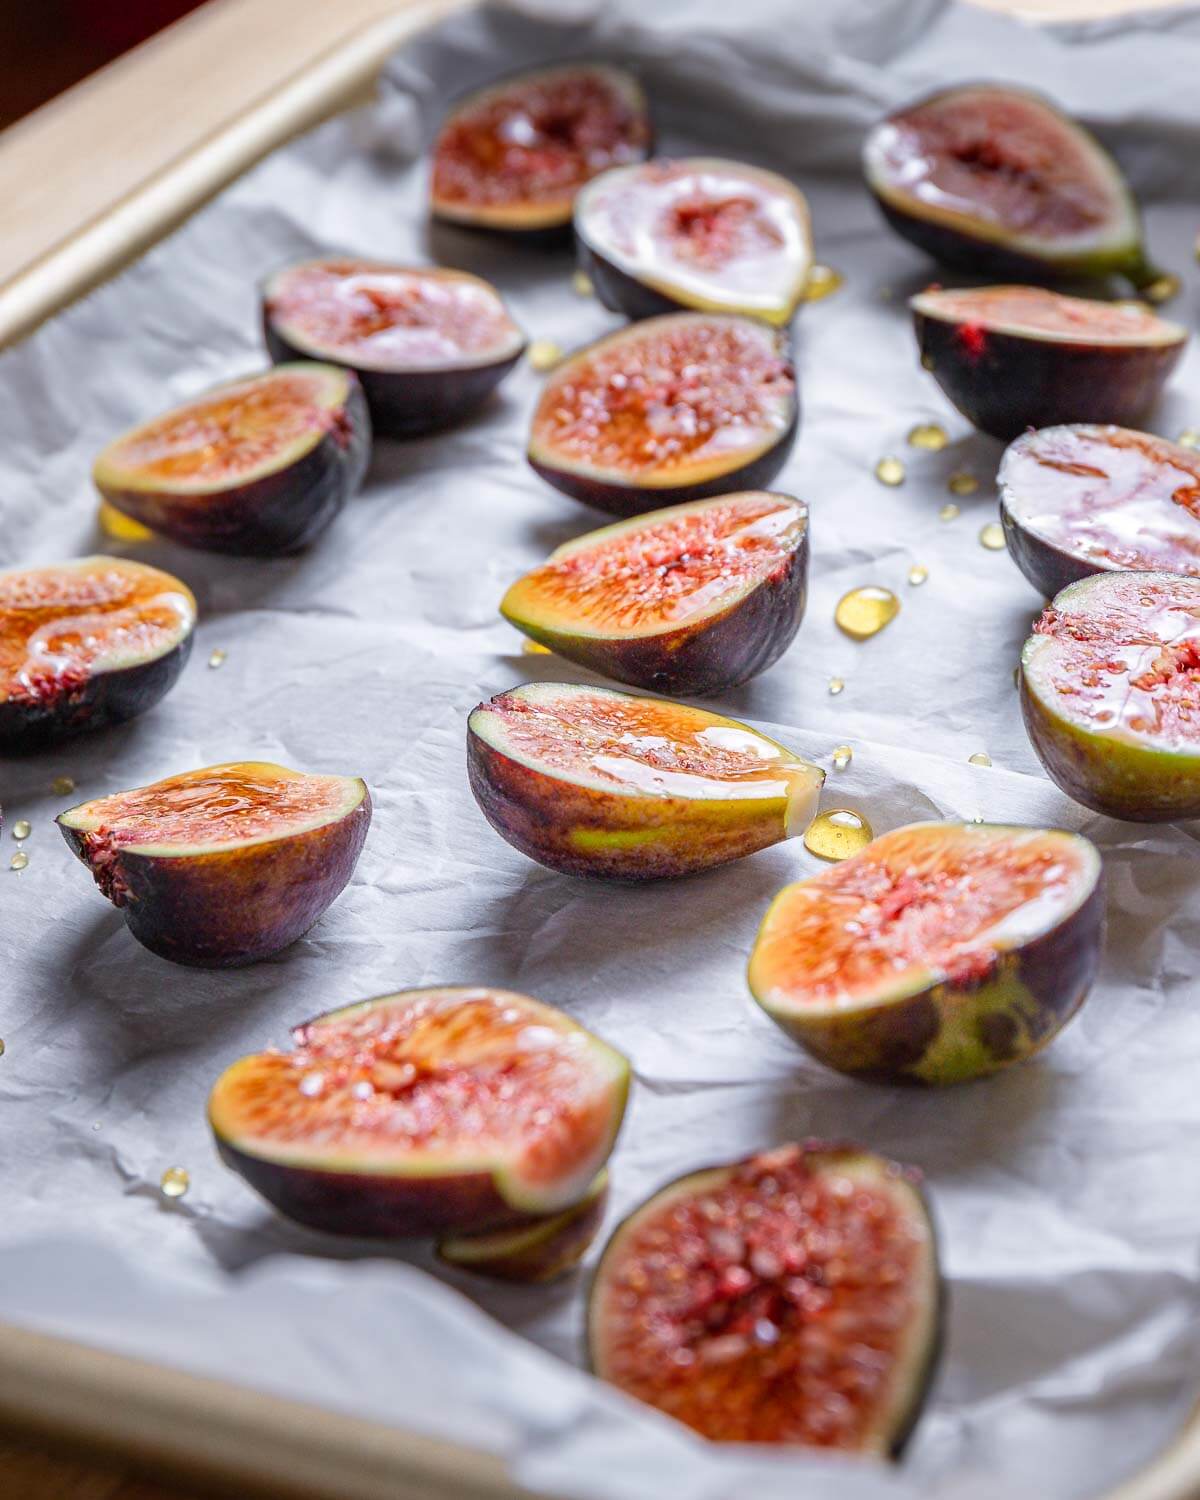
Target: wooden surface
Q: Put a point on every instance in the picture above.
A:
(73, 163)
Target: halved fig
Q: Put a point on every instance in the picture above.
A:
(437, 1111)
(85, 644)
(940, 952)
(698, 232)
(998, 181)
(1081, 500)
(593, 782)
(675, 408)
(225, 865)
(513, 156)
(428, 345)
(794, 1298)
(1012, 357)
(688, 600)
(537, 1252)
(256, 467)
(1110, 692)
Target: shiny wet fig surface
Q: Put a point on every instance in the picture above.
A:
(792, 1298)
(687, 600)
(225, 865)
(1110, 693)
(455, 1110)
(85, 644)
(593, 782)
(941, 952)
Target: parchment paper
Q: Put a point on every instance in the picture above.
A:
(1068, 1192)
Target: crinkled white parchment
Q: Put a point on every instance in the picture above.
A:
(1068, 1191)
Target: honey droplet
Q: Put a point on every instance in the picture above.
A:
(22, 829)
(217, 658)
(544, 354)
(62, 786)
(535, 648)
(19, 860)
(1161, 289)
(917, 575)
(992, 537)
(837, 834)
(119, 526)
(835, 686)
(980, 758)
(842, 756)
(1189, 438)
(889, 471)
(582, 283)
(174, 1182)
(962, 482)
(929, 436)
(864, 612)
(822, 282)
(948, 512)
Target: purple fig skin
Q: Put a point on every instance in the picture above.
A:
(1003, 383)
(540, 1251)
(271, 516)
(232, 906)
(619, 291)
(1047, 567)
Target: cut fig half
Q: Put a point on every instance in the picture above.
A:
(428, 345)
(997, 181)
(537, 1252)
(940, 952)
(435, 1111)
(592, 782)
(513, 156)
(256, 467)
(85, 644)
(225, 865)
(698, 232)
(793, 1298)
(1081, 500)
(1110, 693)
(672, 409)
(1012, 357)
(688, 600)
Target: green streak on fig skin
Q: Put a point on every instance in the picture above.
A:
(536, 1252)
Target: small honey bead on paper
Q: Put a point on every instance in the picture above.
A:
(582, 283)
(948, 512)
(1161, 289)
(19, 860)
(837, 834)
(889, 471)
(21, 829)
(980, 758)
(217, 658)
(864, 612)
(992, 536)
(928, 435)
(62, 786)
(962, 482)
(917, 575)
(842, 756)
(1189, 438)
(174, 1182)
(835, 686)
(544, 354)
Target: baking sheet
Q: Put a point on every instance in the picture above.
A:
(1068, 1193)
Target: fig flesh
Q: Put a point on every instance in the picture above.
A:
(513, 156)
(537, 1252)
(592, 782)
(225, 865)
(671, 409)
(85, 644)
(255, 467)
(998, 181)
(428, 345)
(699, 232)
(1081, 500)
(1110, 693)
(793, 1298)
(437, 1111)
(1012, 357)
(940, 952)
(688, 600)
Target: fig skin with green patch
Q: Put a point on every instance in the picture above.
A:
(974, 944)
(227, 865)
(669, 797)
(1120, 764)
(252, 468)
(349, 312)
(729, 384)
(1082, 499)
(535, 1253)
(383, 1145)
(1016, 357)
(793, 1298)
(148, 616)
(999, 182)
(617, 600)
